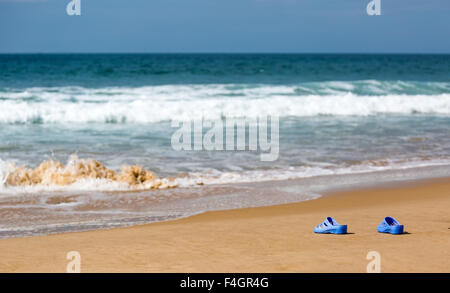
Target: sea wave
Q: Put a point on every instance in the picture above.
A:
(78, 174)
(91, 175)
(182, 102)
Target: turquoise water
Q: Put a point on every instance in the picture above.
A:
(340, 115)
(136, 70)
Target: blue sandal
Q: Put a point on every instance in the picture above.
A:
(330, 225)
(390, 225)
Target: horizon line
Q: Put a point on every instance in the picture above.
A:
(232, 53)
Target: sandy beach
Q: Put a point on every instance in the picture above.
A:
(265, 239)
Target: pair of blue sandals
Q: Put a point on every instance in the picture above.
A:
(331, 226)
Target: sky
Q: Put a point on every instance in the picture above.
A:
(225, 26)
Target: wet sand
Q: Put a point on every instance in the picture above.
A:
(264, 239)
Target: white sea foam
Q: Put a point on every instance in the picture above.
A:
(304, 172)
(182, 102)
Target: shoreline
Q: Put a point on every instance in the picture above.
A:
(275, 238)
(222, 197)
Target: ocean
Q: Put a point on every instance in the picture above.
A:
(85, 139)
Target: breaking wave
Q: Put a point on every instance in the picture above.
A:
(182, 102)
(78, 172)
(91, 175)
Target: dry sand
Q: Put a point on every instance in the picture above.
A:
(266, 239)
